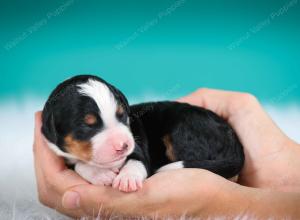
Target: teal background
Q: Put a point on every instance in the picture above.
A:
(188, 48)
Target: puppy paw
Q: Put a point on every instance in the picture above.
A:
(128, 182)
(103, 178)
(96, 175)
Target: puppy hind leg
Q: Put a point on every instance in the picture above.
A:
(171, 166)
(228, 168)
(95, 175)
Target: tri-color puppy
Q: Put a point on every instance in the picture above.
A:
(90, 123)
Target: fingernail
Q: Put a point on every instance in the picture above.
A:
(71, 200)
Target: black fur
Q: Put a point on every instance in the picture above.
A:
(199, 137)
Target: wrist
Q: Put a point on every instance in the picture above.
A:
(228, 201)
(185, 192)
(246, 202)
(205, 195)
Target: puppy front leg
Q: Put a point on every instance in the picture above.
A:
(131, 176)
(95, 175)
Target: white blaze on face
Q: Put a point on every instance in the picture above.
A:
(104, 99)
(114, 133)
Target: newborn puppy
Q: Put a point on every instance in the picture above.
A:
(90, 123)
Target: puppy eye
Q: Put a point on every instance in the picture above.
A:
(121, 115)
(90, 119)
(120, 110)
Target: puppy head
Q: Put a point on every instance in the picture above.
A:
(87, 119)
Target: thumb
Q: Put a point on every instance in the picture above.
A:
(89, 198)
(101, 200)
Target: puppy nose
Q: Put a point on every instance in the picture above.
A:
(123, 147)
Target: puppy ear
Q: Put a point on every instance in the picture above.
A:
(124, 101)
(48, 127)
(121, 97)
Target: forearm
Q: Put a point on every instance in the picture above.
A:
(208, 201)
(230, 201)
(283, 205)
(249, 203)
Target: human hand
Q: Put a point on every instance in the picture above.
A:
(272, 160)
(175, 192)
(52, 176)
(269, 153)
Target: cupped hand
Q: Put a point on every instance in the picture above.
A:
(62, 189)
(174, 192)
(52, 176)
(272, 160)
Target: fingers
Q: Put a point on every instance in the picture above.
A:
(242, 111)
(214, 100)
(46, 157)
(53, 178)
(183, 186)
(263, 142)
(52, 166)
(37, 129)
(224, 103)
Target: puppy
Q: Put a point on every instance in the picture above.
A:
(90, 123)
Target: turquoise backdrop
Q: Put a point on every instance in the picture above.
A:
(166, 48)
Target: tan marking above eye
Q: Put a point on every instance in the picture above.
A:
(81, 149)
(90, 119)
(169, 148)
(120, 110)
